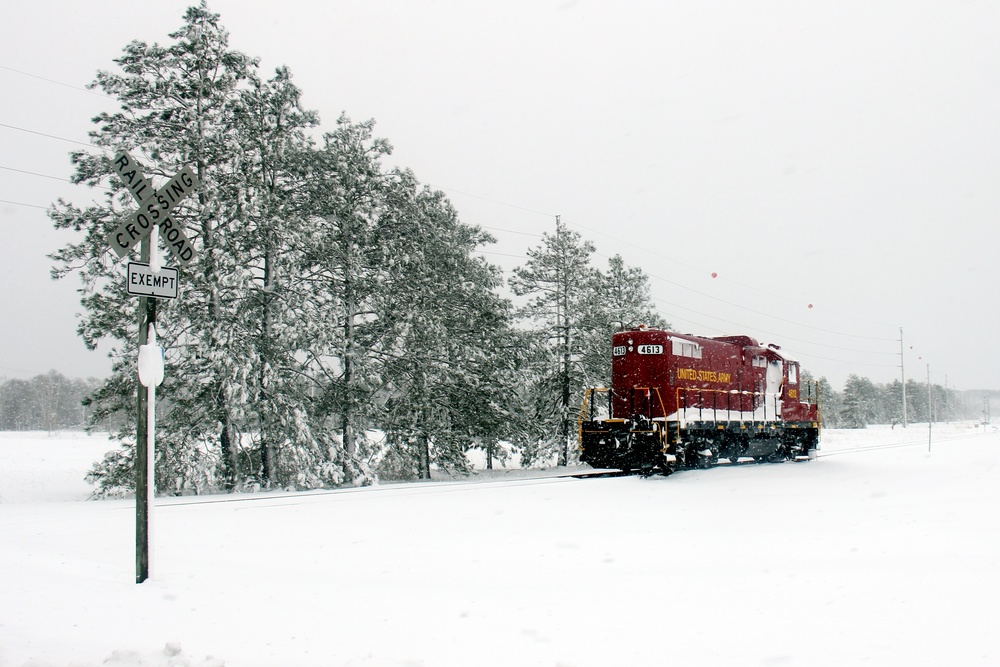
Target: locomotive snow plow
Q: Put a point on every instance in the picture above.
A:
(681, 401)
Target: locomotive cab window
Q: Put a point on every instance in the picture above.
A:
(793, 373)
(684, 348)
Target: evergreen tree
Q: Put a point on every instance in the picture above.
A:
(916, 401)
(283, 448)
(831, 404)
(558, 279)
(892, 402)
(442, 330)
(861, 404)
(17, 409)
(345, 269)
(196, 102)
(619, 300)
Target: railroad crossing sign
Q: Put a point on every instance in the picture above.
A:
(154, 209)
(154, 213)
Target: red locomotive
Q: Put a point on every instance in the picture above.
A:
(680, 401)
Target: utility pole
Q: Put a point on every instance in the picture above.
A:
(946, 402)
(930, 410)
(902, 372)
(147, 315)
(564, 297)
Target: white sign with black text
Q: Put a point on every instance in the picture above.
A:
(143, 282)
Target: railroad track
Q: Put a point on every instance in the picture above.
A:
(297, 497)
(909, 443)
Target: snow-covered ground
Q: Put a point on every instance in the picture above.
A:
(868, 555)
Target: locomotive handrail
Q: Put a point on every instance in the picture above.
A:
(583, 411)
(715, 403)
(816, 400)
(583, 416)
(812, 398)
(663, 408)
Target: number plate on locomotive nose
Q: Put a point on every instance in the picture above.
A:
(650, 349)
(618, 350)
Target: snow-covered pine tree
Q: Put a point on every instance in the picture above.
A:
(619, 300)
(442, 332)
(196, 102)
(344, 268)
(282, 446)
(558, 278)
(861, 402)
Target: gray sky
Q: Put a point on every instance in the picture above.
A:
(834, 164)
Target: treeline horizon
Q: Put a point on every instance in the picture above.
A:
(863, 402)
(54, 402)
(46, 402)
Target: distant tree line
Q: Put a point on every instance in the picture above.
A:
(49, 402)
(337, 324)
(863, 402)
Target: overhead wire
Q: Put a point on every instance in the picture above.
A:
(19, 203)
(50, 136)
(755, 288)
(58, 83)
(579, 225)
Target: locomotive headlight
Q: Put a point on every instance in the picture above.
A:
(629, 341)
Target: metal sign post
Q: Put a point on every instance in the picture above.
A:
(149, 282)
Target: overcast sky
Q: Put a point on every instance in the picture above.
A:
(835, 165)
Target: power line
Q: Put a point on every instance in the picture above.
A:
(782, 336)
(58, 83)
(493, 201)
(756, 312)
(33, 173)
(672, 282)
(500, 254)
(55, 178)
(498, 229)
(18, 203)
(50, 136)
(511, 231)
(852, 362)
(730, 303)
(772, 333)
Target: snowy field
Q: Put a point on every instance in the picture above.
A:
(870, 554)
